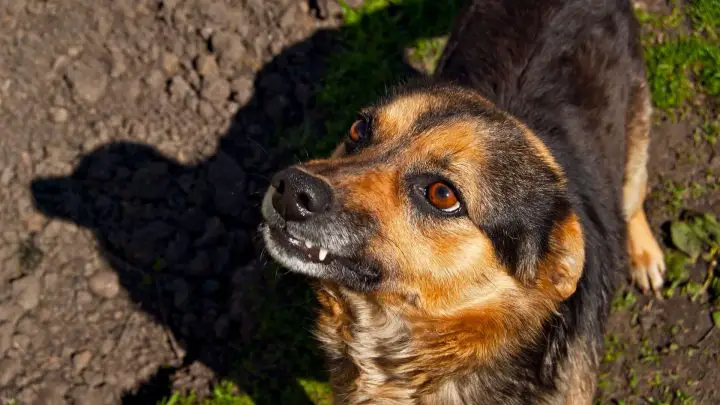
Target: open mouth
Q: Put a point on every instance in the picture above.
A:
(302, 248)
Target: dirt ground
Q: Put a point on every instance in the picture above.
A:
(136, 139)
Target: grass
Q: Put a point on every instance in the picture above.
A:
(683, 66)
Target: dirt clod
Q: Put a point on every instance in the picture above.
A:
(104, 284)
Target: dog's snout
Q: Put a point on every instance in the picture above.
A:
(300, 195)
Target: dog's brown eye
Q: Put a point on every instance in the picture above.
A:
(442, 197)
(358, 131)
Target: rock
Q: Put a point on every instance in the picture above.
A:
(6, 176)
(179, 88)
(59, 115)
(274, 84)
(107, 346)
(193, 220)
(242, 89)
(28, 291)
(93, 378)
(275, 107)
(221, 326)
(10, 312)
(9, 369)
(104, 284)
(83, 298)
(155, 79)
(226, 175)
(52, 392)
(288, 17)
(81, 360)
(34, 221)
(206, 110)
(215, 89)
(214, 231)
(170, 63)
(150, 182)
(118, 64)
(200, 264)
(181, 292)
(303, 93)
(88, 81)
(84, 395)
(210, 287)
(715, 163)
(207, 66)
(228, 46)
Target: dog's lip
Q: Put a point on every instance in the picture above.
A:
(302, 247)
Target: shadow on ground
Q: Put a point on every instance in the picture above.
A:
(183, 239)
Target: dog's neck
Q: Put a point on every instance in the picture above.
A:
(378, 356)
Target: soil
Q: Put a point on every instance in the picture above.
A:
(136, 140)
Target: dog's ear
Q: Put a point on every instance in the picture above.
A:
(559, 270)
(541, 243)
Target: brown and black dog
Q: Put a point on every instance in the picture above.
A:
(466, 235)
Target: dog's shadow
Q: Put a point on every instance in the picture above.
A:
(183, 239)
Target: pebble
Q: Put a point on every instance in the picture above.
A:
(81, 360)
(34, 222)
(28, 291)
(88, 81)
(84, 298)
(242, 89)
(229, 47)
(207, 66)
(104, 284)
(155, 79)
(87, 396)
(179, 87)
(181, 293)
(170, 63)
(59, 114)
(9, 369)
(206, 110)
(7, 175)
(215, 89)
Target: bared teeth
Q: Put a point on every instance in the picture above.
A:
(323, 254)
(308, 245)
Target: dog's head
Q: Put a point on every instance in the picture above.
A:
(435, 197)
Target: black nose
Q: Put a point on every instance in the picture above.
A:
(300, 195)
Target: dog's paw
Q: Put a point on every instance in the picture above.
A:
(647, 262)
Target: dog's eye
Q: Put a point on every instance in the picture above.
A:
(358, 131)
(442, 197)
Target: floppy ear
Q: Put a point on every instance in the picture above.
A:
(561, 267)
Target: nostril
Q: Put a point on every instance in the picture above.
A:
(280, 188)
(305, 201)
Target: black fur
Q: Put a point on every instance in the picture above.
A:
(562, 67)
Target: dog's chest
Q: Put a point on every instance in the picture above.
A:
(368, 352)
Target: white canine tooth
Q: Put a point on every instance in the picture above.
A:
(308, 244)
(323, 253)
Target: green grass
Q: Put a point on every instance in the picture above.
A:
(683, 65)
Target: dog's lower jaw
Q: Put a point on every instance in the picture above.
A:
(298, 265)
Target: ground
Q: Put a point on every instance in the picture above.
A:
(138, 137)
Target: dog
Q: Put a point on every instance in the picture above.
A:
(466, 236)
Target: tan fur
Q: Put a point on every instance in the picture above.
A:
(647, 263)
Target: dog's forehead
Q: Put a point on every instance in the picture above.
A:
(398, 115)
